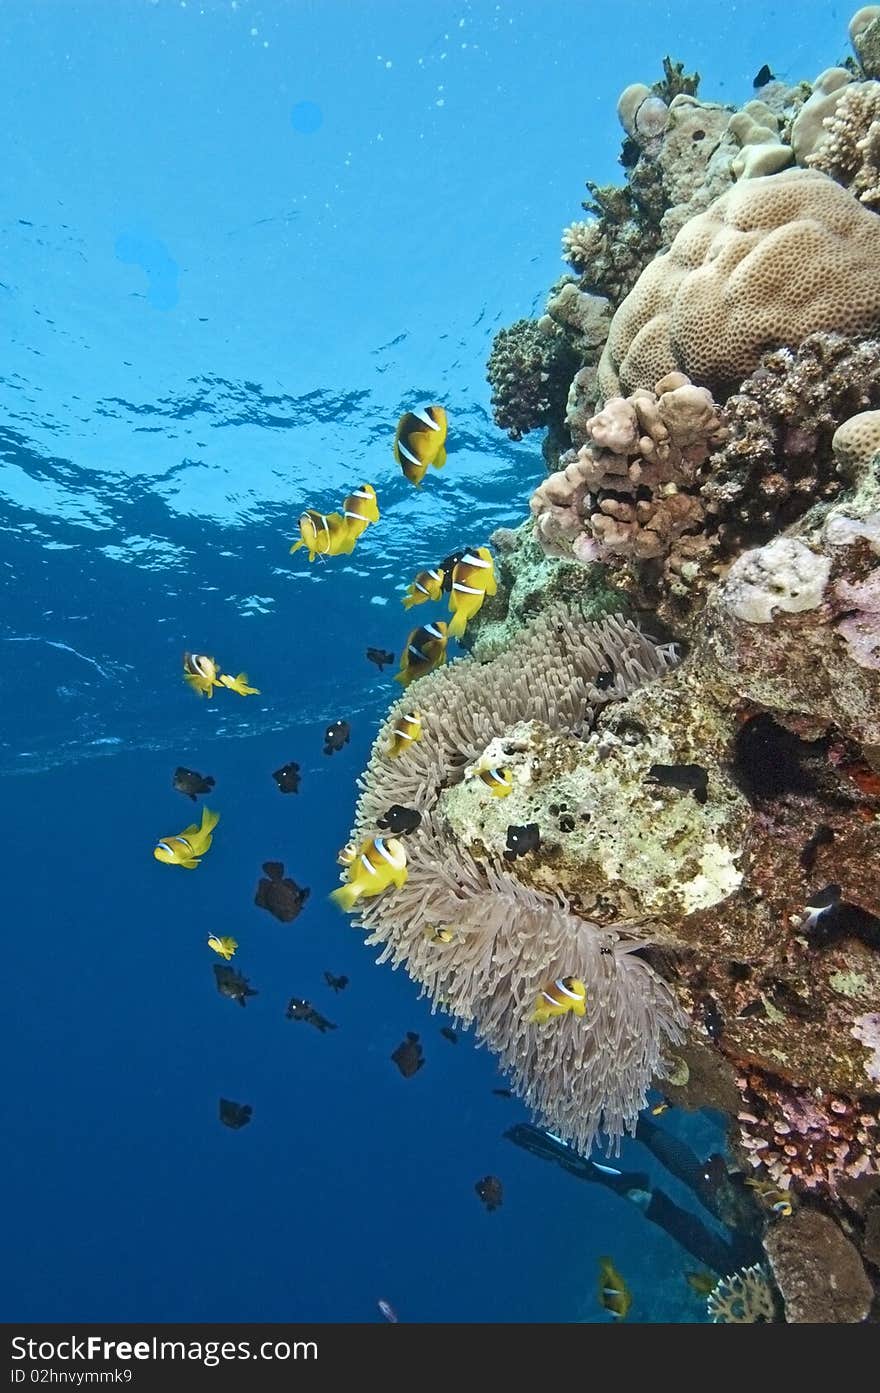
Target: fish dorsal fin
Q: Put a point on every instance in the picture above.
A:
(274, 869)
(190, 831)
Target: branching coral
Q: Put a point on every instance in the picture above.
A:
(777, 460)
(743, 1298)
(579, 1075)
(611, 251)
(632, 490)
(769, 262)
(529, 371)
(849, 150)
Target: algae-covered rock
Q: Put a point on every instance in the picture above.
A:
(818, 1271)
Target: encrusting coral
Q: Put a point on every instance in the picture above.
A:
(818, 1271)
(771, 261)
(580, 1075)
(864, 33)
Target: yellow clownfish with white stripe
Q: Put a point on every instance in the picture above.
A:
(420, 440)
(498, 781)
(360, 509)
(428, 585)
(425, 650)
(201, 673)
(564, 995)
(192, 843)
(407, 730)
(378, 864)
(324, 534)
(473, 578)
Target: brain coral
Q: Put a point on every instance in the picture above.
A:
(772, 260)
(507, 940)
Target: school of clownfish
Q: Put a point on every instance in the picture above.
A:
(468, 577)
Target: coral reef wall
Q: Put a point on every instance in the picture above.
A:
(691, 819)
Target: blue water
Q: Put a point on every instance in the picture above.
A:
(237, 240)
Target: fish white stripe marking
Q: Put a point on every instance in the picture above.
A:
(422, 415)
(362, 493)
(407, 454)
(421, 587)
(402, 733)
(467, 589)
(429, 629)
(384, 852)
(560, 986)
(365, 863)
(470, 560)
(416, 720)
(349, 514)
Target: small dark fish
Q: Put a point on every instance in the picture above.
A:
(409, 1056)
(502, 1092)
(300, 1010)
(235, 1115)
(187, 781)
(490, 1191)
(603, 680)
(752, 1008)
(449, 1034)
(287, 778)
(336, 735)
(338, 984)
(712, 1018)
(399, 820)
(388, 1311)
(282, 897)
(522, 840)
(232, 984)
(823, 836)
(689, 778)
(448, 565)
(381, 657)
(822, 903)
(762, 77)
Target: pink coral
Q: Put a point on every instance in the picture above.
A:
(807, 1141)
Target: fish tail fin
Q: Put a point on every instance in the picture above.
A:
(441, 458)
(346, 897)
(408, 601)
(402, 677)
(209, 821)
(457, 624)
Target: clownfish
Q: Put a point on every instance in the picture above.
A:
(192, 843)
(614, 1294)
(201, 673)
(564, 995)
(239, 684)
(360, 509)
(425, 650)
(428, 585)
(472, 580)
(378, 864)
(324, 534)
(498, 781)
(420, 440)
(225, 947)
(441, 935)
(772, 1197)
(407, 730)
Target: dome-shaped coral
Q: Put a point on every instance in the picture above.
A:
(772, 260)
